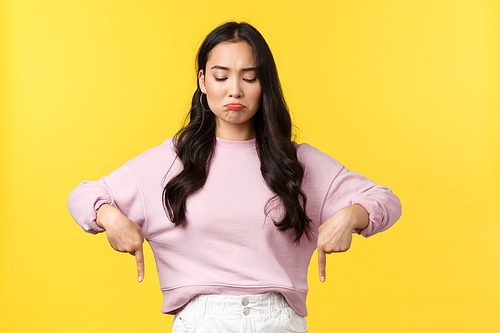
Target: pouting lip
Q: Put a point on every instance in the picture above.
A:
(234, 105)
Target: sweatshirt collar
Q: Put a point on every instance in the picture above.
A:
(236, 145)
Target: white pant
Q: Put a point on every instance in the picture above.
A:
(262, 313)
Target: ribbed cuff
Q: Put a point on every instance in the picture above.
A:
(375, 217)
(97, 204)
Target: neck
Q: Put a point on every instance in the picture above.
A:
(235, 132)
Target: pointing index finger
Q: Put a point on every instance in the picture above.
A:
(139, 258)
(321, 264)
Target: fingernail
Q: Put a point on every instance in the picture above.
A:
(322, 278)
(139, 278)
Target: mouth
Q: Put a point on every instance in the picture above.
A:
(234, 106)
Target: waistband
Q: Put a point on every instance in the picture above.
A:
(270, 303)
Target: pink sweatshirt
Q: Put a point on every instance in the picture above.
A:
(227, 245)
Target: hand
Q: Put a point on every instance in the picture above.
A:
(123, 234)
(335, 234)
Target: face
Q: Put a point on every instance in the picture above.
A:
(232, 87)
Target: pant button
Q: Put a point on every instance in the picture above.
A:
(246, 311)
(245, 301)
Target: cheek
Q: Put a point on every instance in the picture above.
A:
(214, 93)
(255, 94)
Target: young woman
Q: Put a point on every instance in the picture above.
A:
(232, 208)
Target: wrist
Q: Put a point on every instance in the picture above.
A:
(104, 215)
(357, 216)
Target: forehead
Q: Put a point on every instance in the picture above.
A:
(229, 54)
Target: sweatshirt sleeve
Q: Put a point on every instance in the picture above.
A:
(119, 189)
(331, 187)
(350, 188)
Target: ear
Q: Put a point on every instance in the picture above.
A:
(201, 81)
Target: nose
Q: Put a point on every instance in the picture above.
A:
(235, 90)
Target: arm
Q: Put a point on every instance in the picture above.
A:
(113, 204)
(353, 204)
(343, 202)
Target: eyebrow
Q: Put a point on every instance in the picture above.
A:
(247, 69)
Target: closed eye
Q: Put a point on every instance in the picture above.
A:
(220, 79)
(250, 80)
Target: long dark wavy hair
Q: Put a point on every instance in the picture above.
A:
(280, 167)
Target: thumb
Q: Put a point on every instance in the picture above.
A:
(321, 264)
(139, 258)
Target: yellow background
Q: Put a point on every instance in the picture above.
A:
(403, 92)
